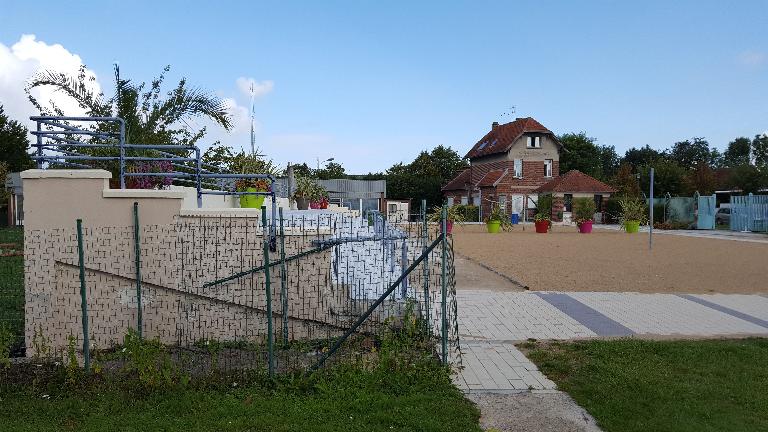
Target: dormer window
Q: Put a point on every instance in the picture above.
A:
(534, 142)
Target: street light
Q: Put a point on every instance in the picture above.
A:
(327, 160)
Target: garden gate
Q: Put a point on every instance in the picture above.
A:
(707, 206)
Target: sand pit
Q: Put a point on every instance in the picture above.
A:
(605, 260)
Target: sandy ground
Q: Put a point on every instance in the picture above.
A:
(470, 275)
(532, 412)
(564, 260)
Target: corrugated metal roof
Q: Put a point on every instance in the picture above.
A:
(341, 188)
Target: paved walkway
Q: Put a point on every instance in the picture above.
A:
(491, 322)
(752, 237)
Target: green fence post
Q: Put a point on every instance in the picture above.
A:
(270, 335)
(137, 253)
(443, 281)
(283, 283)
(83, 299)
(425, 237)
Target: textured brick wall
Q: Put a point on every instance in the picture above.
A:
(177, 260)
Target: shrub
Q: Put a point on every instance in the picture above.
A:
(632, 210)
(583, 210)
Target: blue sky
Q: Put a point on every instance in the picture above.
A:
(374, 83)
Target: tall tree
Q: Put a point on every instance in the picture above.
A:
(332, 170)
(14, 145)
(637, 157)
(626, 182)
(749, 178)
(610, 161)
(690, 152)
(424, 177)
(581, 154)
(669, 177)
(701, 179)
(738, 152)
(760, 150)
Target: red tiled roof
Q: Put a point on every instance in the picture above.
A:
(459, 182)
(575, 181)
(491, 178)
(501, 138)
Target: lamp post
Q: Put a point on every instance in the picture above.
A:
(327, 160)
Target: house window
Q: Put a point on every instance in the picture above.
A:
(464, 200)
(518, 168)
(598, 203)
(568, 202)
(503, 202)
(450, 201)
(392, 208)
(533, 142)
(547, 167)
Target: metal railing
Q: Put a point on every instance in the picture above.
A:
(60, 141)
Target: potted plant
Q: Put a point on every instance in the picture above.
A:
(305, 187)
(497, 220)
(542, 222)
(244, 163)
(543, 217)
(453, 215)
(252, 185)
(632, 214)
(583, 214)
(319, 197)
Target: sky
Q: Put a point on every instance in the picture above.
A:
(371, 84)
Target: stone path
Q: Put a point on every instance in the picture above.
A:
(491, 322)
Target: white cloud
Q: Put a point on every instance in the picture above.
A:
(260, 88)
(753, 58)
(19, 62)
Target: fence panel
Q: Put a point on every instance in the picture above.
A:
(216, 291)
(749, 213)
(705, 217)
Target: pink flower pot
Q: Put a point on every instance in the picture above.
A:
(449, 226)
(585, 227)
(314, 205)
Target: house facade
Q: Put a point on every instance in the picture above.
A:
(507, 166)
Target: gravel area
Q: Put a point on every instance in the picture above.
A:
(532, 412)
(607, 260)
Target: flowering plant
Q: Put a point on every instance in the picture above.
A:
(149, 181)
(260, 184)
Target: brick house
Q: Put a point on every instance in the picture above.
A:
(576, 184)
(507, 166)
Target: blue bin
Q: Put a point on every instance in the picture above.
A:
(515, 218)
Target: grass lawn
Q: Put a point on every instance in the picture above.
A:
(640, 385)
(352, 401)
(12, 283)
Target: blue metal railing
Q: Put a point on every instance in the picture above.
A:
(59, 138)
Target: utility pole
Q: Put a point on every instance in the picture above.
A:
(650, 211)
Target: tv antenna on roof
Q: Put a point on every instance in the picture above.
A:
(253, 115)
(509, 112)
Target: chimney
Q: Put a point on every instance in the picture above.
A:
(494, 125)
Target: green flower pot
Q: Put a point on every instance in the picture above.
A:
(632, 226)
(251, 201)
(493, 226)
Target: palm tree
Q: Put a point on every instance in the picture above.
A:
(149, 117)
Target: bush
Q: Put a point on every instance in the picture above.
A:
(632, 210)
(612, 210)
(470, 213)
(583, 210)
(658, 214)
